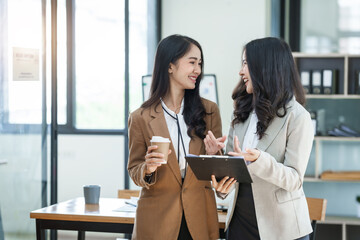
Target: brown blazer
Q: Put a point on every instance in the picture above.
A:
(163, 201)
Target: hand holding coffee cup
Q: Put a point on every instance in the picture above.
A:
(157, 153)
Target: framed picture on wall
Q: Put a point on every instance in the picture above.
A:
(208, 87)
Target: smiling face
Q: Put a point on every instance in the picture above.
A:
(184, 73)
(245, 75)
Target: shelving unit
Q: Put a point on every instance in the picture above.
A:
(338, 228)
(318, 140)
(346, 64)
(335, 153)
(334, 96)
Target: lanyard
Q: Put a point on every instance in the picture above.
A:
(176, 118)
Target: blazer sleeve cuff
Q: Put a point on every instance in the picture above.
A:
(150, 181)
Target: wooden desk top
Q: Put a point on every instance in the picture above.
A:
(77, 210)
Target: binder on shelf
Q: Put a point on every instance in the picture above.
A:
(316, 82)
(343, 131)
(305, 81)
(330, 81)
(349, 130)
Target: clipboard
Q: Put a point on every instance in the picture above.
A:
(204, 166)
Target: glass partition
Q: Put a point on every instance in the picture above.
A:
(23, 138)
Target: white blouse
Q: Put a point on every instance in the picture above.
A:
(173, 130)
(251, 139)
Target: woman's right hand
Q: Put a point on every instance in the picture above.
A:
(212, 144)
(225, 184)
(153, 160)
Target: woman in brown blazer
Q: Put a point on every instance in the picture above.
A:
(173, 204)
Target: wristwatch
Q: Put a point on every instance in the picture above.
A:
(148, 177)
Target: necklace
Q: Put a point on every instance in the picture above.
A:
(172, 107)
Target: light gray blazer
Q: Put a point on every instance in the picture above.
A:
(280, 204)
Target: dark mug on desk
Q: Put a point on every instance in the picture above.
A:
(92, 194)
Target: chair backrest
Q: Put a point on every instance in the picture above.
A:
(126, 193)
(317, 208)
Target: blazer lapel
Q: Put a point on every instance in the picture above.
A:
(272, 131)
(194, 148)
(240, 130)
(159, 127)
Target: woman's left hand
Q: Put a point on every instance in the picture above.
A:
(250, 154)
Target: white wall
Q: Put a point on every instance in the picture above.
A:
(90, 159)
(222, 27)
(83, 159)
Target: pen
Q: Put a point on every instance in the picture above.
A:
(130, 203)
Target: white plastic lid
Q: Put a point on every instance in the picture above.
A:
(159, 139)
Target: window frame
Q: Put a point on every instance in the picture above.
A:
(285, 21)
(69, 126)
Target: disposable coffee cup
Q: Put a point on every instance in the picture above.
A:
(163, 146)
(92, 194)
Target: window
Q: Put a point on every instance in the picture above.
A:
(96, 90)
(143, 42)
(21, 48)
(336, 28)
(90, 62)
(99, 64)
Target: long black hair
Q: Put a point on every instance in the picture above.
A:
(170, 50)
(275, 82)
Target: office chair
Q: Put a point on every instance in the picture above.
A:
(317, 209)
(126, 193)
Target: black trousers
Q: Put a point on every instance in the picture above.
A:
(243, 225)
(184, 233)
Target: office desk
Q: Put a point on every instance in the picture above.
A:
(78, 216)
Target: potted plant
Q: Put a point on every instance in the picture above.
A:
(358, 205)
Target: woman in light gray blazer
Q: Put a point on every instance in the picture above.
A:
(273, 132)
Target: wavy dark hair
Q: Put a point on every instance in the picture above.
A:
(170, 50)
(275, 82)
